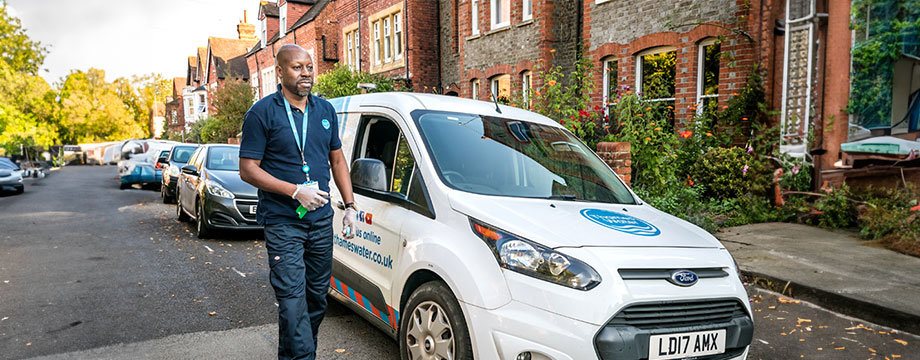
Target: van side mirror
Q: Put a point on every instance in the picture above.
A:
(369, 174)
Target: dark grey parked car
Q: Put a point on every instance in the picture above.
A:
(210, 191)
(178, 157)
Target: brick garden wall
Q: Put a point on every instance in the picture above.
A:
(617, 155)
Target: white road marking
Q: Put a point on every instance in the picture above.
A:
(209, 249)
(238, 272)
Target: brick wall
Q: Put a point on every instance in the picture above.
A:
(421, 29)
(617, 155)
(450, 45)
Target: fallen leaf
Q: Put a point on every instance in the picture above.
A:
(339, 350)
(28, 344)
(771, 307)
(902, 342)
(212, 313)
(872, 350)
(800, 340)
(819, 349)
(803, 320)
(840, 348)
(895, 356)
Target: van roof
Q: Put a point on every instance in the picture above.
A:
(407, 102)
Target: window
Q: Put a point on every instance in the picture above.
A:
(380, 142)
(528, 10)
(254, 81)
(387, 50)
(283, 23)
(610, 81)
(269, 81)
(501, 13)
(264, 32)
(501, 88)
(377, 52)
(525, 87)
(655, 76)
(190, 106)
(475, 87)
(707, 86)
(350, 58)
(352, 49)
(474, 12)
(402, 168)
(397, 35)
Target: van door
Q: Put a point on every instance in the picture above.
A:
(363, 266)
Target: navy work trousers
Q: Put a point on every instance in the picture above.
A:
(300, 257)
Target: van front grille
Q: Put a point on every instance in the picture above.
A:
(661, 315)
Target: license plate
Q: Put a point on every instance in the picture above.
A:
(677, 346)
(252, 209)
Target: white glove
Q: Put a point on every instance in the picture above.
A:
(349, 223)
(310, 197)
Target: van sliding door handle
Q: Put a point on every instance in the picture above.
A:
(340, 205)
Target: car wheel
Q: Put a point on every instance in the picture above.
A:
(163, 194)
(124, 186)
(180, 215)
(21, 190)
(204, 231)
(433, 326)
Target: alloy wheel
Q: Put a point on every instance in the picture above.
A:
(429, 335)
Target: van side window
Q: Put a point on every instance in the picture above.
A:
(402, 169)
(380, 140)
(417, 191)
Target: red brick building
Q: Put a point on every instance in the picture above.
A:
(175, 107)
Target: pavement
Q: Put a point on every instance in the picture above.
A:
(833, 269)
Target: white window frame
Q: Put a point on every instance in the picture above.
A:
(264, 32)
(350, 51)
(269, 80)
(190, 103)
(397, 35)
(282, 24)
(600, 1)
(699, 75)
(377, 49)
(496, 14)
(658, 50)
(475, 89)
(474, 12)
(528, 10)
(387, 40)
(526, 83)
(254, 82)
(606, 79)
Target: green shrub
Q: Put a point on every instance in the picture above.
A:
(731, 173)
(837, 208)
(342, 81)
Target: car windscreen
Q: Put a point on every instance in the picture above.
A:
(182, 154)
(508, 157)
(224, 158)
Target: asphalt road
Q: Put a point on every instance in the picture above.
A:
(84, 265)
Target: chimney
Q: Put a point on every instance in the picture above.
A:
(246, 30)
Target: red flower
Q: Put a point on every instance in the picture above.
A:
(583, 113)
(686, 134)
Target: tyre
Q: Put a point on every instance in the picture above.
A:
(124, 186)
(180, 215)
(433, 326)
(201, 224)
(164, 194)
(21, 190)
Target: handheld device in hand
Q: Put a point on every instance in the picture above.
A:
(302, 211)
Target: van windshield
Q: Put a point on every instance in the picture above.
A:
(507, 157)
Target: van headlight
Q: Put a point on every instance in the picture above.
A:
(217, 190)
(529, 258)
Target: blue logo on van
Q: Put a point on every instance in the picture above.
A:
(620, 222)
(325, 124)
(683, 278)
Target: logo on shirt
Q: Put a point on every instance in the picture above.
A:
(325, 124)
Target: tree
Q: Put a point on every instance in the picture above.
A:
(91, 110)
(16, 49)
(231, 101)
(341, 81)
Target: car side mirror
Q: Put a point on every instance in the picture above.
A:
(190, 170)
(369, 174)
(163, 160)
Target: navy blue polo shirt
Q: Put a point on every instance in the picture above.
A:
(267, 136)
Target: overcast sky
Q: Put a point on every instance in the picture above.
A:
(127, 37)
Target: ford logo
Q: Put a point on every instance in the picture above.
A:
(683, 278)
(620, 222)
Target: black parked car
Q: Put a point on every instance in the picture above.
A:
(209, 190)
(178, 157)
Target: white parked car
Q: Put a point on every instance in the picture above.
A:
(491, 232)
(10, 176)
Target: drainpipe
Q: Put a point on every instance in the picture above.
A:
(360, 39)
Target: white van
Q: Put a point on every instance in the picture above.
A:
(491, 232)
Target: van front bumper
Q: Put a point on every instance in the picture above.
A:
(516, 327)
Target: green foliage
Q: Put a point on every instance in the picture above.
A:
(838, 211)
(231, 101)
(91, 110)
(731, 173)
(342, 81)
(559, 96)
(19, 52)
(645, 126)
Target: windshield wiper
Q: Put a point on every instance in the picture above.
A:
(567, 197)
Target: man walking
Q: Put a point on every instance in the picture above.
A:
(290, 142)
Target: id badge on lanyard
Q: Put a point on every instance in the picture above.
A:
(301, 147)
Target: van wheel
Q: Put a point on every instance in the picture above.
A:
(433, 326)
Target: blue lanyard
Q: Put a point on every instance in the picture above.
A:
(300, 144)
